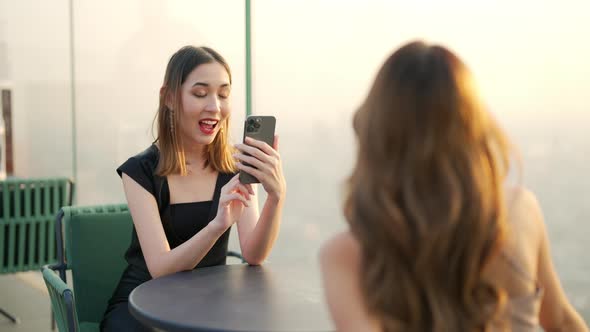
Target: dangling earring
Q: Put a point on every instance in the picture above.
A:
(171, 119)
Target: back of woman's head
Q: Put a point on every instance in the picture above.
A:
(425, 198)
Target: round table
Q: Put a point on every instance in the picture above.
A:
(234, 298)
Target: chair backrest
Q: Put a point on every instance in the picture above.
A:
(96, 238)
(27, 216)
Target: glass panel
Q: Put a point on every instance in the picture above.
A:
(122, 49)
(35, 66)
(314, 62)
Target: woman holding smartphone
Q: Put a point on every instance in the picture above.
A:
(183, 191)
(438, 241)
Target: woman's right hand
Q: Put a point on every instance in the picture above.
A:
(234, 196)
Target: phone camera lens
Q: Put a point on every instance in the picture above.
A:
(250, 122)
(257, 125)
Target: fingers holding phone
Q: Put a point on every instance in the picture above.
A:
(259, 159)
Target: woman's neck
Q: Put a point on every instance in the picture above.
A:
(195, 155)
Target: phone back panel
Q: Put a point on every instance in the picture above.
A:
(261, 128)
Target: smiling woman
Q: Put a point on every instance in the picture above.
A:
(183, 192)
(207, 89)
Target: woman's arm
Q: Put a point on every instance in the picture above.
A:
(159, 258)
(340, 261)
(557, 313)
(258, 233)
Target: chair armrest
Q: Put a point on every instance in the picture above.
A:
(62, 301)
(237, 255)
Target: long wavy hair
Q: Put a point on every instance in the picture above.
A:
(425, 199)
(172, 160)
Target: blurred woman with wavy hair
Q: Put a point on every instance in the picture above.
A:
(437, 240)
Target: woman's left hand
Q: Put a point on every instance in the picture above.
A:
(266, 165)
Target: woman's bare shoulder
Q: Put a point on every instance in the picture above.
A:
(525, 224)
(523, 207)
(342, 246)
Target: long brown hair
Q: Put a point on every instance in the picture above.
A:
(218, 154)
(425, 198)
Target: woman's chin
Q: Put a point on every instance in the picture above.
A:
(199, 138)
(204, 139)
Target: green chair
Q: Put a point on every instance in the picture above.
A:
(96, 238)
(27, 211)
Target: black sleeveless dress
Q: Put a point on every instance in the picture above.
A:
(180, 222)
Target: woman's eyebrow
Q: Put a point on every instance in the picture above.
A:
(207, 84)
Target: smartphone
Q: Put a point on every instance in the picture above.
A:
(260, 128)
